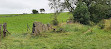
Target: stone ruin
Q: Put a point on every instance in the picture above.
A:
(38, 27)
(5, 31)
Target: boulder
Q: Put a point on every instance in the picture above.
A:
(46, 27)
(38, 27)
(43, 28)
(49, 26)
(35, 27)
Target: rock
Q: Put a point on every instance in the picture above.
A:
(43, 28)
(46, 27)
(38, 27)
(49, 26)
(35, 29)
(37, 32)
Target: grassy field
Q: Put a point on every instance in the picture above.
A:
(76, 36)
(19, 23)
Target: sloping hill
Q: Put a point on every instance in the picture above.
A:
(19, 23)
(75, 36)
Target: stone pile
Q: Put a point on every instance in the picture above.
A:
(39, 27)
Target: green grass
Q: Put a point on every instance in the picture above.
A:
(73, 37)
(19, 23)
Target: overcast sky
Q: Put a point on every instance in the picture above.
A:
(23, 6)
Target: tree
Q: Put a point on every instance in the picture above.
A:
(81, 13)
(56, 6)
(42, 10)
(99, 10)
(69, 5)
(34, 11)
(96, 9)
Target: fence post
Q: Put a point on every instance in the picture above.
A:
(4, 29)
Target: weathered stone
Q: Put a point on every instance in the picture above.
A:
(37, 32)
(43, 28)
(38, 27)
(34, 29)
(49, 26)
(46, 28)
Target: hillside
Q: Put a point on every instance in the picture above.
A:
(19, 23)
(76, 36)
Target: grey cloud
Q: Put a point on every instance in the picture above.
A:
(22, 6)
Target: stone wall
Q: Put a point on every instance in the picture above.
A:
(39, 27)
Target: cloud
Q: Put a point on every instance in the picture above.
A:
(22, 6)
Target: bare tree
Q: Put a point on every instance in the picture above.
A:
(56, 6)
(63, 5)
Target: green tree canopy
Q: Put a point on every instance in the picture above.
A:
(34, 11)
(81, 13)
(96, 10)
(42, 10)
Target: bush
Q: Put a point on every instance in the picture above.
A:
(98, 12)
(101, 24)
(95, 12)
(108, 24)
(81, 14)
(92, 23)
(105, 24)
(55, 21)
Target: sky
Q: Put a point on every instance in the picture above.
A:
(23, 6)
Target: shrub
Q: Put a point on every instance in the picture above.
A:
(101, 24)
(92, 23)
(98, 12)
(81, 14)
(55, 21)
(108, 24)
(105, 24)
